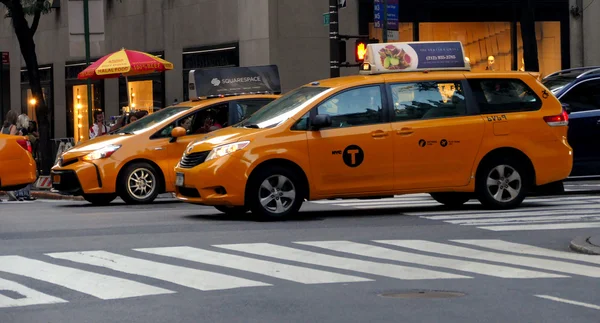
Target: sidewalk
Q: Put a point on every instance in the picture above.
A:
(48, 195)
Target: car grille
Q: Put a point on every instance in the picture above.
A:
(193, 159)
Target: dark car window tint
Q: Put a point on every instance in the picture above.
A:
(504, 95)
(428, 100)
(355, 107)
(584, 96)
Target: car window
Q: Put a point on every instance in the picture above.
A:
(302, 123)
(245, 108)
(204, 120)
(428, 100)
(504, 95)
(556, 83)
(151, 120)
(285, 107)
(584, 96)
(355, 107)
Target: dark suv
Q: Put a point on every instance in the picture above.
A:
(578, 89)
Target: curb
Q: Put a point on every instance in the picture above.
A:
(51, 196)
(582, 244)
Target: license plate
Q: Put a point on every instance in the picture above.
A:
(179, 179)
(56, 179)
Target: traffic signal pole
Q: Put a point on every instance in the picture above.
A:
(334, 45)
(86, 28)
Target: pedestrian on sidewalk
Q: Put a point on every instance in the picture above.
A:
(24, 194)
(10, 128)
(98, 128)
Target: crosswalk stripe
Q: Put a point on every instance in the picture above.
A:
(369, 267)
(188, 277)
(456, 251)
(532, 219)
(389, 206)
(98, 285)
(282, 271)
(529, 250)
(545, 226)
(31, 296)
(467, 213)
(506, 214)
(462, 265)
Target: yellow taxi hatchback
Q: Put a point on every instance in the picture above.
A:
(416, 121)
(17, 166)
(136, 162)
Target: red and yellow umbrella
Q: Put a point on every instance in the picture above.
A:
(124, 63)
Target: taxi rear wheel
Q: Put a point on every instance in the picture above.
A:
(451, 199)
(502, 183)
(275, 193)
(100, 199)
(139, 184)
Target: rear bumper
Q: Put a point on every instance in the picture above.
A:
(18, 173)
(554, 162)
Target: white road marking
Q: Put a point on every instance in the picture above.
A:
(263, 267)
(462, 265)
(374, 268)
(547, 226)
(508, 214)
(31, 296)
(521, 220)
(563, 300)
(456, 251)
(188, 277)
(530, 250)
(98, 285)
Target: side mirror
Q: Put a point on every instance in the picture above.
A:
(176, 133)
(567, 107)
(321, 121)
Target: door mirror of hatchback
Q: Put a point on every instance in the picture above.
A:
(176, 133)
(321, 121)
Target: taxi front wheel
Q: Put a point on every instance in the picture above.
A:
(502, 183)
(139, 184)
(275, 193)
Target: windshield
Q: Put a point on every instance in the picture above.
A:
(285, 107)
(556, 83)
(151, 120)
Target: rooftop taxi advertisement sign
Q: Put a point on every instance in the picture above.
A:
(415, 56)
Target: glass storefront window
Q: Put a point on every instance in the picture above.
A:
(487, 44)
(547, 35)
(405, 32)
(78, 111)
(141, 96)
(145, 94)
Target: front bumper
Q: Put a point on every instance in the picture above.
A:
(78, 178)
(220, 181)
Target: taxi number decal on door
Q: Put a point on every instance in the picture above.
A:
(497, 118)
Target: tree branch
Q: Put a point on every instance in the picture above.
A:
(36, 18)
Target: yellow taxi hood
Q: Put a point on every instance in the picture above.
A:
(223, 136)
(94, 144)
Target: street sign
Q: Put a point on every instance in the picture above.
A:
(326, 19)
(342, 3)
(393, 35)
(392, 14)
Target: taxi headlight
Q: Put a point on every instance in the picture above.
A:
(101, 153)
(224, 150)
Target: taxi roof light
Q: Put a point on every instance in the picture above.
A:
(423, 56)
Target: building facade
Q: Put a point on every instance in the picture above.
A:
(194, 34)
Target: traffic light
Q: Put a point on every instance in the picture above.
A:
(360, 49)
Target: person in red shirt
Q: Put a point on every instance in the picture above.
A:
(98, 128)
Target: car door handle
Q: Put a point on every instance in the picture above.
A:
(405, 131)
(379, 134)
(159, 148)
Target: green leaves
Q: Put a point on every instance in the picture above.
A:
(30, 7)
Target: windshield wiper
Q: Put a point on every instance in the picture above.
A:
(253, 126)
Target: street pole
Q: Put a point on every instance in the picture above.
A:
(86, 28)
(384, 27)
(334, 45)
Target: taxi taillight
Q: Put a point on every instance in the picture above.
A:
(558, 120)
(26, 144)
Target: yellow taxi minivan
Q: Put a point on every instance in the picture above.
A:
(17, 166)
(136, 162)
(416, 120)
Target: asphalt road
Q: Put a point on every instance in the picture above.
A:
(172, 262)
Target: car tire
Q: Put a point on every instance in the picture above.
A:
(100, 199)
(232, 210)
(502, 183)
(451, 199)
(275, 193)
(139, 184)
